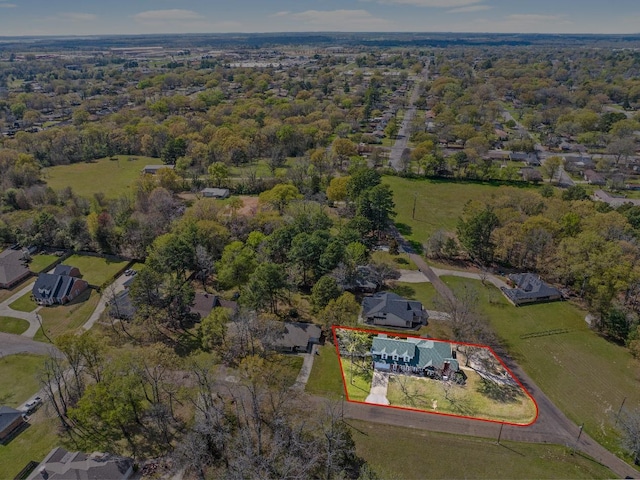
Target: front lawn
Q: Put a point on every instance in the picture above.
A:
(586, 376)
(357, 380)
(467, 400)
(18, 378)
(326, 378)
(424, 292)
(401, 261)
(95, 270)
(24, 303)
(401, 452)
(17, 326)
(67, 318)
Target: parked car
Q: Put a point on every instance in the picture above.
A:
(32, 405)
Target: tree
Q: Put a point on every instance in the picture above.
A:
(355, 344)
(392, 128)
(342, 150)
(361, 180)
(475, 234)
(630, 427)
(306, 250)
(213, 328)
(325, 290)
(280, 196)
(377, 206)
(173, 149)
(218, 172)
(337, 189)
(341, 311)
(237, 264)
(265, 288)
(551, 166)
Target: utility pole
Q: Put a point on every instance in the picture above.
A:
(620, 410)
(413, 214)
(500, 433)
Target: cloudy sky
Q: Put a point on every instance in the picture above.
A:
(82, 17)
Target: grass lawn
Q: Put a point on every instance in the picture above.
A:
(399, 452)
(24, 303)
(113, 178)
(18, 378)
(586, 376)
(358, 385)
(439, 204)
(67, 318)
(423, 393)
(32, 444)
(13, 325)
(4, 294)
(95, 270)
(261, 169)
(290, 364)
(423, 292)
(41, 262)
(326, 378)
(402, 261)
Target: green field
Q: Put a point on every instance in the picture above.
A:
(60, 319)
(400, 452)
(425, 293)
(41, 262)
(18, 378)
(95, 270)
(358, 384)
(325, 378)
(586, 376)
(113, 178)
(16, 326)
(5, 294)
(401, 261)
(32, 444)
(439, 203)
(24, 303)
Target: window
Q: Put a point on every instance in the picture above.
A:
(384, 356)
(395, 357)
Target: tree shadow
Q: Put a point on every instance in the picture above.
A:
(500, 393)
(404, 291)
(404, 229)
(416, 246)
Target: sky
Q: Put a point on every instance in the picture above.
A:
(100, 17)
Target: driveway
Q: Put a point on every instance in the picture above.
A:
(107, 295)
(12, 344)
(30, 317)
(379, 385)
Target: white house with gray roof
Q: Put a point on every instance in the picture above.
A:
(391, 310)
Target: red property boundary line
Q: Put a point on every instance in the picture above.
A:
(396, 334)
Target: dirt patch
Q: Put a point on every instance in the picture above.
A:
(249, 205)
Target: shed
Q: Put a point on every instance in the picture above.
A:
(215, 192)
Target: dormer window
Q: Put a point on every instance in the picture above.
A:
(395, 357)
(384, 356)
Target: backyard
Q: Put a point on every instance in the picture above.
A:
(116, 176)
(42, 262)
(95, 270)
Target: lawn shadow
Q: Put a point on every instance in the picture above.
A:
(83, 297)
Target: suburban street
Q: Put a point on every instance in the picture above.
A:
(402, 139)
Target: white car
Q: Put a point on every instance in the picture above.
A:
(33, 404)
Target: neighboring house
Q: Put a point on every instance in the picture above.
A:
(121, 307)
(203, 303)
(414, 355)
(67, 270)
(594, 178)
(298, 337)
(58, 288)
(391, 310)
(362, 281)
(10, 422)
(215, 192)
(530, 159)
(529, 288)
(614, 201)
(13, 268)
(60, 464)
(153, 169)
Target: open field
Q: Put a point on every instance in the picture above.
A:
(467, 400)
(586, 376)
(67, 318)
(18, 378)
(32, 444)
(399, 452)
(439, 203)
(261, 169)
(16, 326)
(41, 262)
(425, 293)
(113, 178)
(24, 303)
(95, 270)
(401, 261)
(325, 378)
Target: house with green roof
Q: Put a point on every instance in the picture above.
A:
(421, 356)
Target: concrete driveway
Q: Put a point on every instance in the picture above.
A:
(379, 386)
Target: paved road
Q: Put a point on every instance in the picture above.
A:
(402, 139)
(30, 317)
(12, 344)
